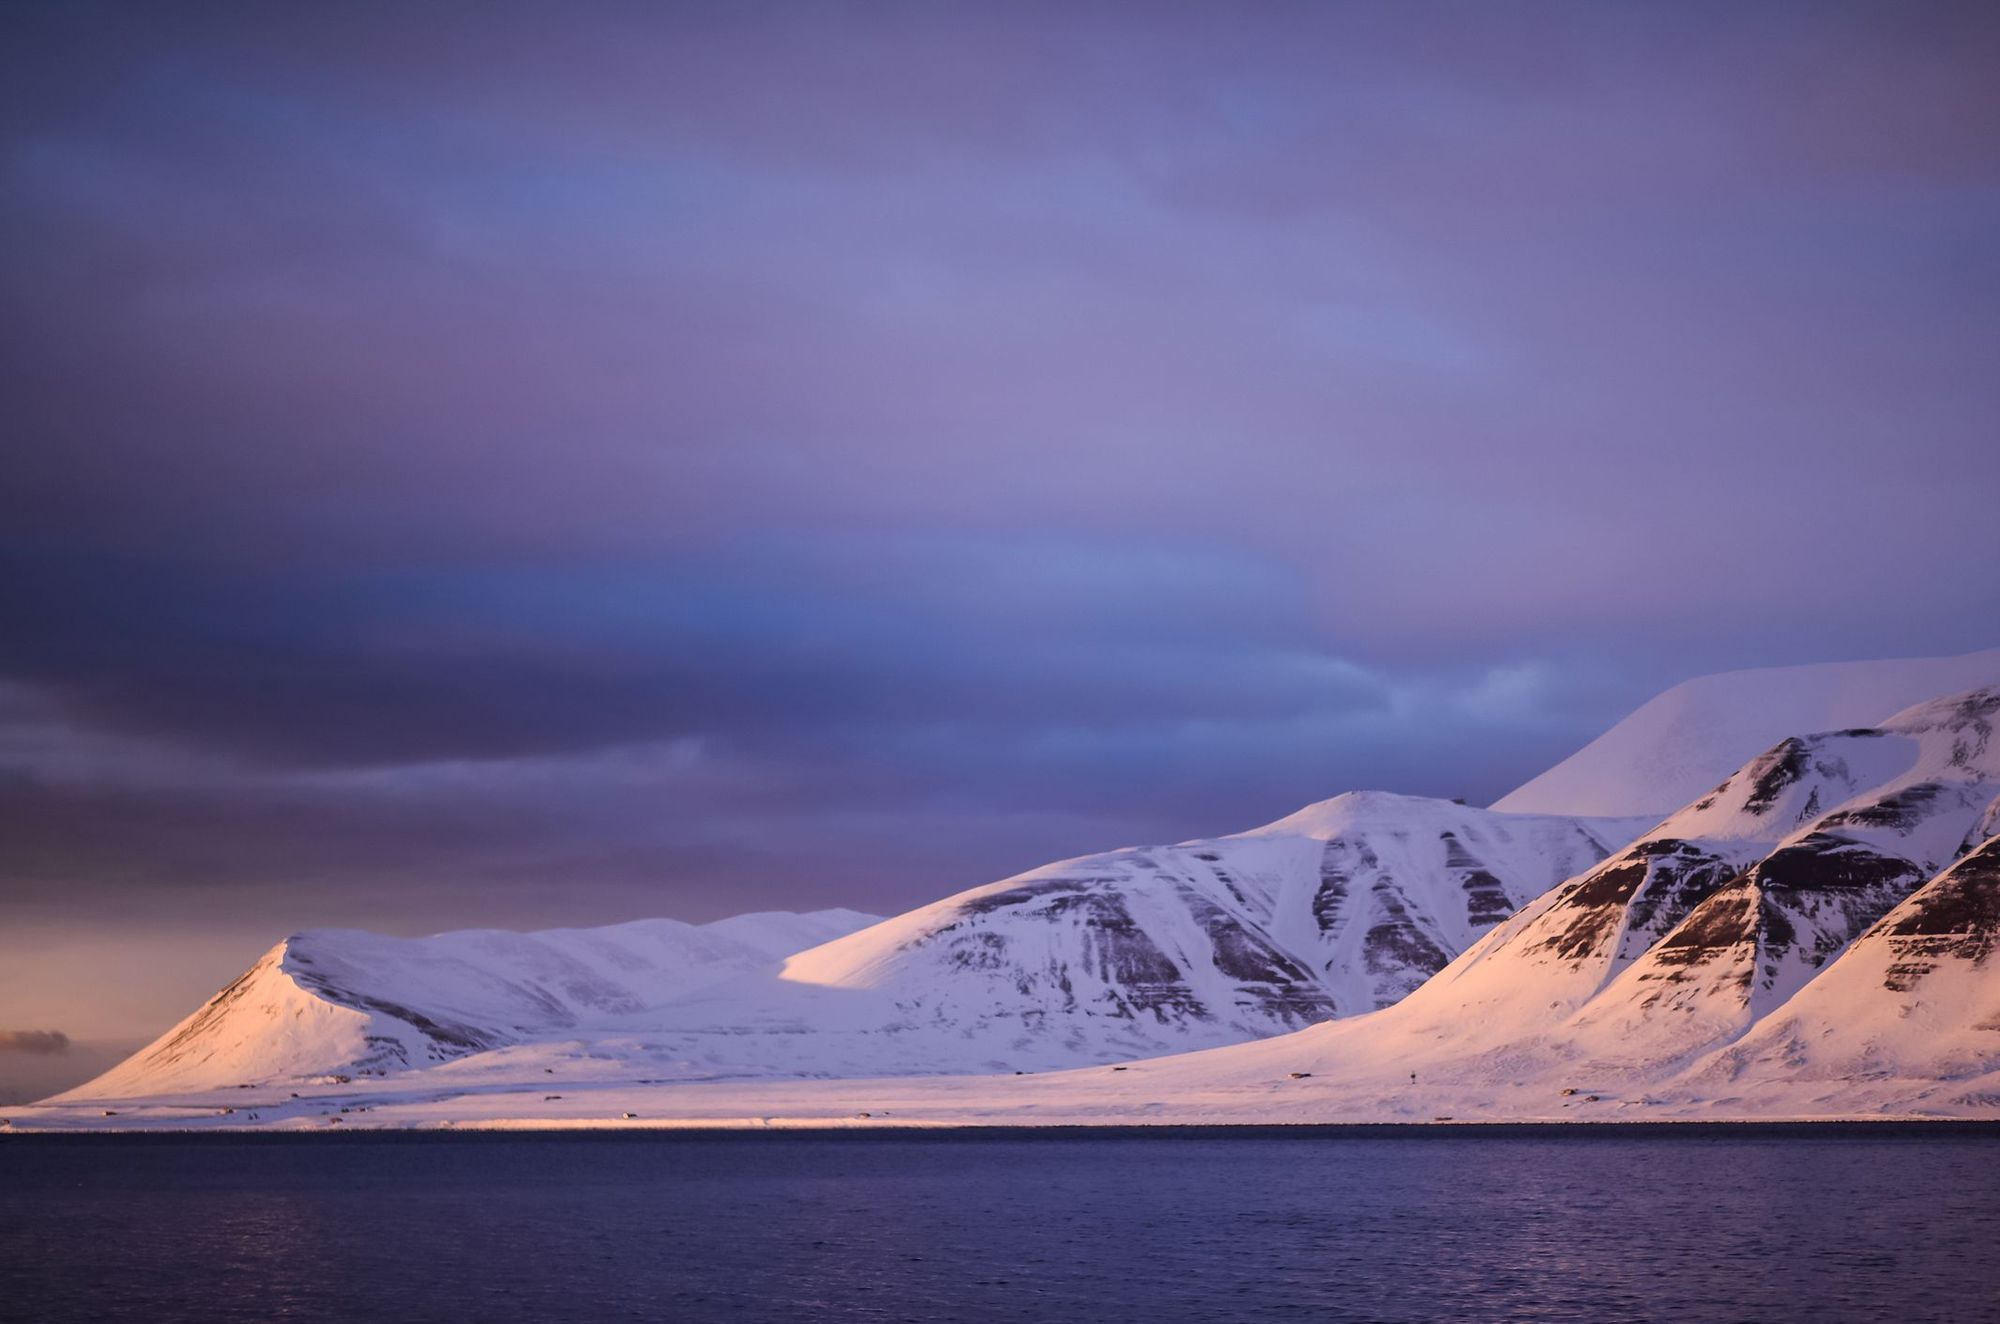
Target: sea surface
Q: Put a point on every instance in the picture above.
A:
(1683, 1223)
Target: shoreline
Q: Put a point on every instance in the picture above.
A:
(890, 1127)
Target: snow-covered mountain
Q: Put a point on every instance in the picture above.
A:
(1817, 935)
(342, 1001)
(1341, 908)
(1720, 914)
(1909, 1014)
(1682, 742)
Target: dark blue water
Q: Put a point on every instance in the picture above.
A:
(1682, 1223)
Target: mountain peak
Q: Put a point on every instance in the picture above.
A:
(1680, 743)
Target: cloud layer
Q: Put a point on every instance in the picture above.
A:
(43, 1042)
(476, 467)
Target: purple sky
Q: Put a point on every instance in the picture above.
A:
(476, 466)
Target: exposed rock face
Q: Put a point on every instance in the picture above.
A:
(1906, 1019)
(1953, 920)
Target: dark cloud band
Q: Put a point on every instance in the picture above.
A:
(684, 456)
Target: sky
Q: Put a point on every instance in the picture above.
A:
(485, 464)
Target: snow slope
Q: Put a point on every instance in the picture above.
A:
(341, 1001)
(1341, 908)
(1682, 742)
(1910, 1010)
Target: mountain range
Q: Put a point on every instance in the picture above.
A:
(1809, 934)
(1341, 908)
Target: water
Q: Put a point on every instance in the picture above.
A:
(1599, 1224)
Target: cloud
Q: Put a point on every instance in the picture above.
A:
(43, 1043)
(418, 665)
(680, 459)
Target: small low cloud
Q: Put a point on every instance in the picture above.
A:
(46, 1042)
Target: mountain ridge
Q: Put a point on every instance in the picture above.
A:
(326, 1002)
(1680, 742)
(1339, 908)
(1814, 935)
